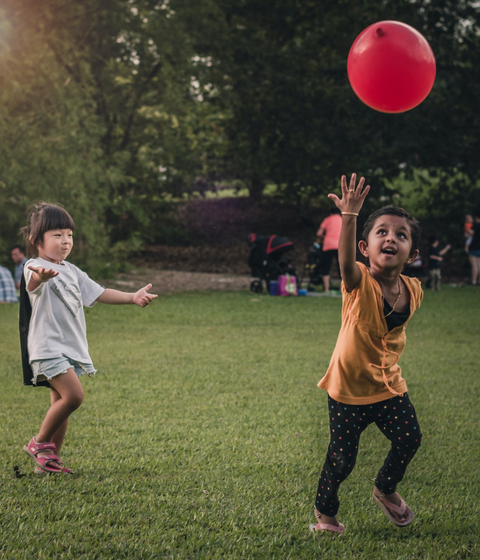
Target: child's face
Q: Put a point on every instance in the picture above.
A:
(389, 243)
(56, 245)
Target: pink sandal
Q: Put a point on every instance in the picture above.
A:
(40, 471)
(402, 510)
(326, 526)
(34, 448)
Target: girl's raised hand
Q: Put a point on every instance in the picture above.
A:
(142, 297)
(352, 196)
(42, 274)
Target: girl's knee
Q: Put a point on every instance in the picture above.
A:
(75, 398)
(340, 464)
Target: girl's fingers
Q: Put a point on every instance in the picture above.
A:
(335, 198)
(145, 297)
(344, 185)
(43, 271)
(365, 191)
(353, 180)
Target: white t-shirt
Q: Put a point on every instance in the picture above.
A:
(57, 325)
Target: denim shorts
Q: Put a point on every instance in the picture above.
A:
(51, 367)
(475, 253)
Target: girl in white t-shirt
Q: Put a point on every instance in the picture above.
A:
(57, 338)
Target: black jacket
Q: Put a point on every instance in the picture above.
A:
(24, 323)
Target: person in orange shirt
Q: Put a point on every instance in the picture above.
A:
(364, 381)
(329, 234)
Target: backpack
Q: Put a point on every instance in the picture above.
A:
(24, 324)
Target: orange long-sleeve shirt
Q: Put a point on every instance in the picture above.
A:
(363, 368)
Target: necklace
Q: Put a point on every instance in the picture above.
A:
(396, 301)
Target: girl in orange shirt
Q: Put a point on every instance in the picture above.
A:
(364, 381)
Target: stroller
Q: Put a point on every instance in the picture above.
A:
(267, 260)
(312, 266)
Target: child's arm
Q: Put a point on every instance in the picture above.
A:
(443, 251)
(115, 297)
(39, 275)
(350, 205)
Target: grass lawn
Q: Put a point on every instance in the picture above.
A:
(203, 436)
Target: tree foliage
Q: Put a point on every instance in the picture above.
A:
(294, 118)
(112, 108)
(96, 113)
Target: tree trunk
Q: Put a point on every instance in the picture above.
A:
(256, 187)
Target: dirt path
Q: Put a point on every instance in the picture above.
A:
(169, 281)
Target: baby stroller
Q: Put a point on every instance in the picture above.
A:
(312, 266)
(267, 260)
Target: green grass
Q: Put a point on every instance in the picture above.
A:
(203, 436)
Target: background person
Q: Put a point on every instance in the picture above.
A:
(329, 235)
(19, 258)
(473, 249)
(8, 293)
(468, 225)
(435, 257)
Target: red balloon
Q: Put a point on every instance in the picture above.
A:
(391, 67)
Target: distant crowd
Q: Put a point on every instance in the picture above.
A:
(10, 284)
(328, 233)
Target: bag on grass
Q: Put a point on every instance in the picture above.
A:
(287, 285)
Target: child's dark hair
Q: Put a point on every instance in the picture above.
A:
(44, 217)
(394, 211)
(334, 210)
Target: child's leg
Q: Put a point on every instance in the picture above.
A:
(399, 424)
(475, 264)
(347, 422)
(59, 435)
(326, 283)
(476, 270)
(70, 396)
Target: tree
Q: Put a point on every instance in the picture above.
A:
(96, 112)
(291, 116)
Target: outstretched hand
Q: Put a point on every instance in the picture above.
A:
(142, 297)
(42, 274)
(352, 196)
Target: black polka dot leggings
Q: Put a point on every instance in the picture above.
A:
(395, 417)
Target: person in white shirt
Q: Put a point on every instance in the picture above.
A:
(57, 338)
